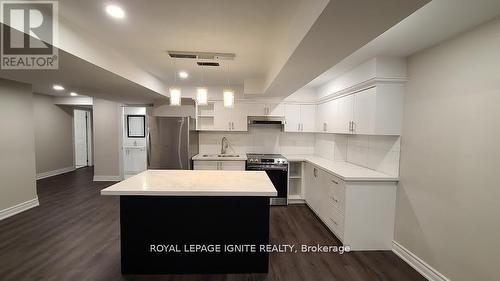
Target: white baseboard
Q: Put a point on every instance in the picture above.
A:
(417, 263)
(43, 175)
(107, 178)
(16, 209)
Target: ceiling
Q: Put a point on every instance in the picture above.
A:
(285, 43)
(435, 22)
(250, 29)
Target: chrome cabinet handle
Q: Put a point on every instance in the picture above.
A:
(298, 127)
(353, 126)
(315, 172)
(334, 182)
(232, 125)
(324, 127)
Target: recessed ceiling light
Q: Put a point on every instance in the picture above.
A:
(115, 11)
(183, 74)
(73, 94)
(58, 87)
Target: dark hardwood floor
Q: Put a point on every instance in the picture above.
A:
(74, 235)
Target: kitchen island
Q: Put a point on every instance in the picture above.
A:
(186, 221)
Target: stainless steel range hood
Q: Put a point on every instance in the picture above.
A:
(266, 120)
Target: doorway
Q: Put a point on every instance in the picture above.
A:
(82, 137)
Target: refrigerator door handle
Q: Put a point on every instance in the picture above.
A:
(179, 143)
(148, 152)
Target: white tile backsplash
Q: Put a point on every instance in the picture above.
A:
(259, 140)
(380, 153)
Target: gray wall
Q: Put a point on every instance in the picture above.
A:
(107, 137)
(53, 135)
(17, 144)
(448, 197)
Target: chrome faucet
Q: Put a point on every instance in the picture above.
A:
(224, 145)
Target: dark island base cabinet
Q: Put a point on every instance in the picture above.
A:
(184, 221)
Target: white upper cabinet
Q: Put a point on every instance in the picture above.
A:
(308, 118)
(343, 118)
(300, 118)
(365, 103)
(275, 109)
(292, 117)
(257, 109)
(230, 119)
(374, 111)
(266, 109)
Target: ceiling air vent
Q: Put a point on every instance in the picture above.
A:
(202, 63)
(201, 55)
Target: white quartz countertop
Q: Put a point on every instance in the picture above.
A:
(194, 183)
(344, 170)
(215, 157)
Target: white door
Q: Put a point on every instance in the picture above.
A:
(308, 118)
(232, 165)
(321, 117)
(80, 137)
(205, 165)
(239, 117)
(276, 109)
(364, 111)
(292, 117)
(222, 117)
(256, 109)
(344, 114)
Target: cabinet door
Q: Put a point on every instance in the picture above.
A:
(292, 117)
(308, 183)
(222, 117)
(364, 111)
(344, 114)
(205, 165)
(308, 118)
(257, 109)
(233, 165)
(321, 117)
(332, 115)
(276, 109)
(239, 117)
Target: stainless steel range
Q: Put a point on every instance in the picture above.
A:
(276, 167)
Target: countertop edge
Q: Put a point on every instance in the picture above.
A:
(350, 179)
(189, 193)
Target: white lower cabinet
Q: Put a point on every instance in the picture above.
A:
(360, 214)
(228, 165)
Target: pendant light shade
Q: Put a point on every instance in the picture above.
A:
(201, 96)
(175, 97)
(228, 98)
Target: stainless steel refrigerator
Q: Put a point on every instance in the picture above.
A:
(171, 141)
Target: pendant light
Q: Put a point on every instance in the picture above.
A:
(175, 93)
(228, 93)
(201, 92)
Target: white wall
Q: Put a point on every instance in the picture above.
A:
(53, 135)
(107, 139)
(448, 196)
(259, 140)
(17, 144)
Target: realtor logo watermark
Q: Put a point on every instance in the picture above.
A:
(29, 33)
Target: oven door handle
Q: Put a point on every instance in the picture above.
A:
(253, 168)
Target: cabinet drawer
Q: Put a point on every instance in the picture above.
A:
(336, 192)
(334, 219)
